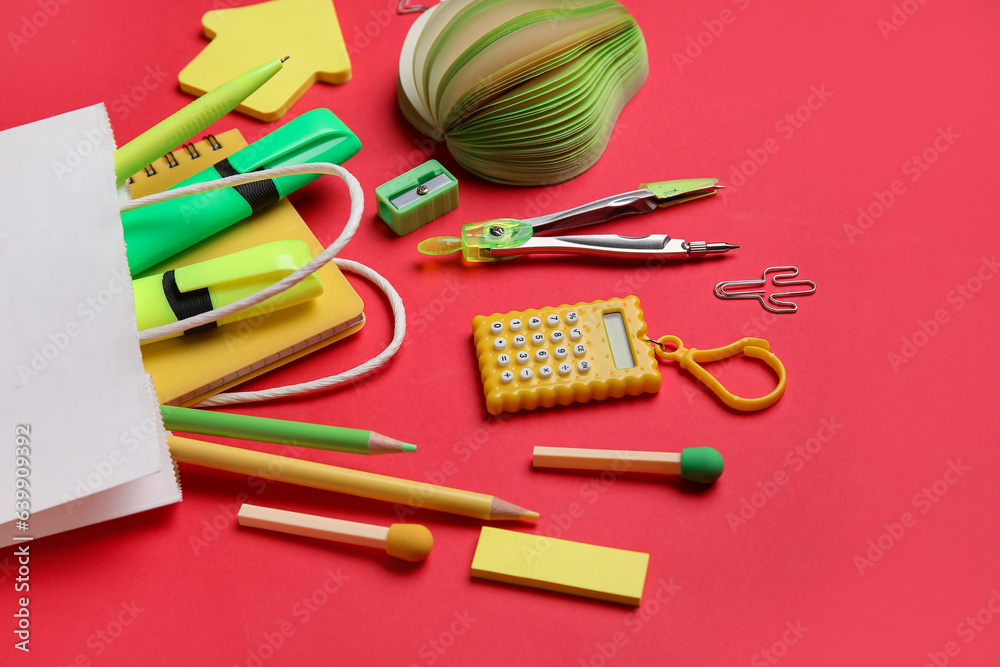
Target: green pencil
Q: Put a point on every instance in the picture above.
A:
(262, 429)
(192, 119)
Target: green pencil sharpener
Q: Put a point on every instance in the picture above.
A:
(422, 194)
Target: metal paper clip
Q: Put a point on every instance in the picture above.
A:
(404, 7)
(782, 276)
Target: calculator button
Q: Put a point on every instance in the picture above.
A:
(579, 350)
(557, 336)
(534, 322)
(565, 369)
(545, 372)
(496, 327)
(503, 360)
(526, 374)
(575, 333)
(572, 317)
(507, 377)
(523, 357)
(519, 341)
(552, 320)
(582, 367)
(515, 325)
(541, 355)
(499, 343)
(560, 352)
(538, 338)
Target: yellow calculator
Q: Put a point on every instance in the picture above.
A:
(564, 354)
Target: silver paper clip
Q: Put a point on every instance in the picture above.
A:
(781, 276)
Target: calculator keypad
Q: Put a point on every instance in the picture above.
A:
(561, 355)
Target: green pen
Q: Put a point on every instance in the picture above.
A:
(158, 231)
(262, 429)
(189, 121)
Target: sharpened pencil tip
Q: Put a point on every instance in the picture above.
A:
(503, 510)
(383, 444)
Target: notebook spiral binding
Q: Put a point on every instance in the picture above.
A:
(191, 148)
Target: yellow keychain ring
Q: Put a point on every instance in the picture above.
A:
(688, 358)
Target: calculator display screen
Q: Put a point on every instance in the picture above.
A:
(621, 351)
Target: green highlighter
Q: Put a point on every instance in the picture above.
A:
(154, 233)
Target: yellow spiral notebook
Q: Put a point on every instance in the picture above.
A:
(193, 367)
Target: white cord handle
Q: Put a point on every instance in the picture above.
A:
(353, 221)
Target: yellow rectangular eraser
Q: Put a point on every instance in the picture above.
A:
(535, 560)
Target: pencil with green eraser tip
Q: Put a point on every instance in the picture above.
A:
(189, 121)
(695, 464)
(263, 429)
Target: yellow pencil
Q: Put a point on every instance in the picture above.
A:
(345, 480)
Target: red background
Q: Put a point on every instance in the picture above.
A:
(734, 588)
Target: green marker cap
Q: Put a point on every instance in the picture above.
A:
(701, 464)
(161, 230)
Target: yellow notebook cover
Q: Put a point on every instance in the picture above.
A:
(193, 367)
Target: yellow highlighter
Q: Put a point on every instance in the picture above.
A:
(198, 288)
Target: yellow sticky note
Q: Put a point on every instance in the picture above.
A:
(307, 31)
(534, 560)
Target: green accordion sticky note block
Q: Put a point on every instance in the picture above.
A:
(526, 92)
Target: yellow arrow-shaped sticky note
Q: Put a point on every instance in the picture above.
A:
(305, 30)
